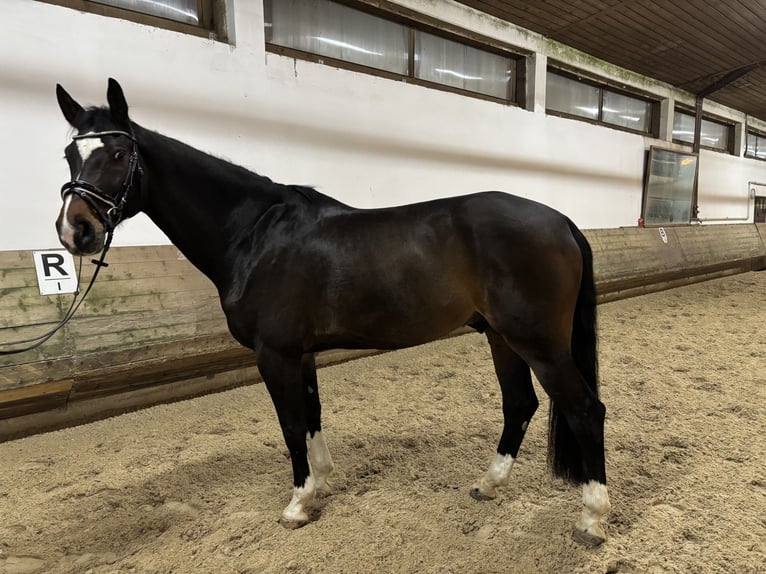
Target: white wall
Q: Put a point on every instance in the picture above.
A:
(365, 140)
(724, 185)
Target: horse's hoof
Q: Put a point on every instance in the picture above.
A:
(292, 524)
(588, 538)
(477, 494)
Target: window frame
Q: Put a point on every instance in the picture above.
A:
(758, 134)
(601, 85)
(399, 15)
(212, 17)
(730, 126)
(645, 198)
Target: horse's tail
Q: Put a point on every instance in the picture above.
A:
(564, 454)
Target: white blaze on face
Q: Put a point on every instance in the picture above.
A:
(87, 146)
(67, 230)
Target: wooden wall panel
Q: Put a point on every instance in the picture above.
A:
(633, 260)
(146, 298)
(24, 313)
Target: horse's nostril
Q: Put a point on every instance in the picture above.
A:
(85, 236)
(85, 230)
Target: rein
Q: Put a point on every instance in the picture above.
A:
(109, 217)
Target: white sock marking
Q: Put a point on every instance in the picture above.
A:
(500, 470)
(499, 474)
(302, 496)
(321, 460)
(596, 497)
(595, 505)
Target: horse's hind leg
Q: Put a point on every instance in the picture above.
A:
(519, 404)
(577, 435)
(321, 461)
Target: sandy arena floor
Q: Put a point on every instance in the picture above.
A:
(197, 486)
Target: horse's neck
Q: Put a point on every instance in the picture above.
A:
(193, 198)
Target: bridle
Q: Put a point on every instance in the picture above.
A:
(111, 215)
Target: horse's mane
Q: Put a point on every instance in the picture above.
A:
(308, 193)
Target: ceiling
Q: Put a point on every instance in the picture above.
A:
(692, 44)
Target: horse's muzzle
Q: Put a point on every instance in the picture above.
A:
(82, 236)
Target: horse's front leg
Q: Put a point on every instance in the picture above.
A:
(283, 376)
(321, 460)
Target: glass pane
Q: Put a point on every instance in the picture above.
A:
(569, 96)
(715, 135)
(760, 147)
(180, 10)
(454, 64)
(669, 187)
(751, 145)
(683, 127)
(328, 29)
(628, 112)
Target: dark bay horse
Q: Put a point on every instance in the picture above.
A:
(299, 272)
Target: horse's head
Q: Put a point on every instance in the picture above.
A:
(105, 170)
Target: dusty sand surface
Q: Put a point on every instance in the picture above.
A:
(197, 486)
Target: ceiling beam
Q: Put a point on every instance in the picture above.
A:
(727, 79)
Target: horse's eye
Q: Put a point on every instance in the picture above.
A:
(119, 155)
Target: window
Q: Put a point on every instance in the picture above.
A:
(454, 64)
(198, 17)
(713, 135)
(573, 97)
(756, 146)
(570, 97)
(626, 111)
(335, 33)
(338, 32)
(181, 10)
(669, 187)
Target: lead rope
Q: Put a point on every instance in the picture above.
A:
(39, 340)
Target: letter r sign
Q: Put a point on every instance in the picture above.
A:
(55, 272)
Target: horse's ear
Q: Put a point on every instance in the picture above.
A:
(117, 104)
(69, 107)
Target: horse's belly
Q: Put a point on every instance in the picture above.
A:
(392, 326)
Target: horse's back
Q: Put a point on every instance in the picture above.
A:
(513, 216)
(439, 263)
